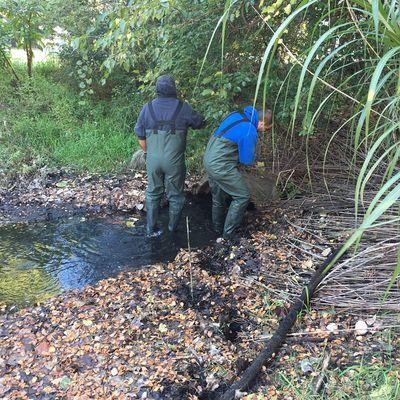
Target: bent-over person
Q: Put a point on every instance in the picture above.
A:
(233, 143)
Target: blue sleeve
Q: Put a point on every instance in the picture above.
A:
(247, 147)
(140, 129)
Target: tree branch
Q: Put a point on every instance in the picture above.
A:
(273, 345)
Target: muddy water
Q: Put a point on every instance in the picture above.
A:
(41, 260)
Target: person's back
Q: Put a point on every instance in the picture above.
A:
(232, 143)
(161, 129)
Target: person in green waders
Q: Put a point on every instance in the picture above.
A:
(233, 143)
(161, 128)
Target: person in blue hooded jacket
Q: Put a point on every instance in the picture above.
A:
(161, 128)
(233, 143)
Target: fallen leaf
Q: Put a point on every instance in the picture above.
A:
(326, 252)
(62, 184)
(306, 367)
(65, 382)
(139, 206)
(332, 327)
(212, 382)
(42, 347)
(307, 264)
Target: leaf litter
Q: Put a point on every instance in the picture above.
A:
(149, 335)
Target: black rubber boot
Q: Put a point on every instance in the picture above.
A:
(152, 229)
(234, 218)
(218, 216)
(174, 219)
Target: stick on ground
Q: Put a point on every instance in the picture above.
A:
(273, 345)
(321, 378)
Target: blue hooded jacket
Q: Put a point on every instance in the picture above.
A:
(244, 134)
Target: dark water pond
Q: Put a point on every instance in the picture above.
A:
(41, 260)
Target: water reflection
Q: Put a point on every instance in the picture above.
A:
(42, 259)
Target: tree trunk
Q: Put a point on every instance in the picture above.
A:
(28, 47)
(29, 57)
(9, 65)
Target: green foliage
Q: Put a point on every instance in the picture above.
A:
(353, 55)
(146, 39)
(73, 16)
(25, 21)
(367, 380)
(45, 123)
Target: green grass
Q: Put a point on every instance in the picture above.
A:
(45, 122)
(375, 375)
(366, 381)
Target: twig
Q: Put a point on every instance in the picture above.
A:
(190, 257)
(322, 375)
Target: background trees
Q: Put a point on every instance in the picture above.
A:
(26, 26)
(316, 73)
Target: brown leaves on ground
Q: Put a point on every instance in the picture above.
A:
(62, 195)
(125, 337)
(149, 334)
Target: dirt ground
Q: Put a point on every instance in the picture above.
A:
(60, 195)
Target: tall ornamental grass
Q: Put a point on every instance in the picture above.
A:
(350, 60)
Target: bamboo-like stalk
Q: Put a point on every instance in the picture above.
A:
(190, 258)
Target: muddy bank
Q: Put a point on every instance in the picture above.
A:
(62, 195)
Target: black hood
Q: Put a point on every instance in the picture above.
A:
(165, 86)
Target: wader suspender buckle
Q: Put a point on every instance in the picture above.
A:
(233, 124)
(171, 122)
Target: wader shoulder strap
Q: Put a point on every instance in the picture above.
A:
(233, 124)
(171, 122)
(152, 113)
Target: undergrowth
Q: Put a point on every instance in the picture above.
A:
(45, 123)
(372, 381)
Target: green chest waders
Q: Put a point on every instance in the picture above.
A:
(166, 170)
(221, 163)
